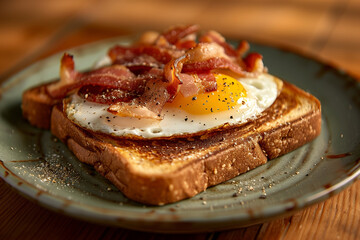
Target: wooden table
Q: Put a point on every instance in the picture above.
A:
(327, 29)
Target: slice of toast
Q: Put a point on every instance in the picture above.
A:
(158, 172)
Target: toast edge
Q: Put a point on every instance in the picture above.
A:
(37, 106)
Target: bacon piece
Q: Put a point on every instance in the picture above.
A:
(193, 84)
(235, 54)
(213, 63)
(208, 81)
(242, 48)
(190, 86)
(215, 37)
(199, 62)
(254, 62)
(199, 59)
(185, 44)
(172, 75)
(196, 60)
(206, 57)
(67, 68)
(120, 52)
(209, 56)
(152, 56)
(201, 53)
(107, 95)
(148, 105)
(67, 75)
(204, 51)
(148, 38)
(115, 76)
(141, 64)
(177, 33)
(154, 50)
(110, 77)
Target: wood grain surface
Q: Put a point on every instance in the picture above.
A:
(327, 29)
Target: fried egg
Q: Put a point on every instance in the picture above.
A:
(235, 102)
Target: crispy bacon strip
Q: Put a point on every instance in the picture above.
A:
(201, 53)
(200, 60)
(173, 70)
(107, 95)
(67, 75)
(148, 38)
(213, 63)
(172, 75)
(215, 37)
(185, 44)
(242, 48)
(208, 56)
(131, 55)
(190, 85)
(197, 82)
(115, 76)
(235, 53)
(175, 34)
(154, 49)
(208, 81)
(148, 105)
(254, 62)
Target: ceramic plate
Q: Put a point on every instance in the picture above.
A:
(42, 168)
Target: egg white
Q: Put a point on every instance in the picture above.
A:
(261, 93)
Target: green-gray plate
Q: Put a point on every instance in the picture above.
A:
(43, 169)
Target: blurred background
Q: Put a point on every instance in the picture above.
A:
(31, 30)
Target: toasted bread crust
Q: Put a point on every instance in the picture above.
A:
(37, 106)
(182, 167)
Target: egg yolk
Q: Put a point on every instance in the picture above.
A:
(229, 91)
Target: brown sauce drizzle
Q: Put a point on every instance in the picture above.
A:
(39, 193)
(7, 171)
(151, 212)
(294, 206)
(335, 156)
(27, 160)
(251, 213)
(328, 186)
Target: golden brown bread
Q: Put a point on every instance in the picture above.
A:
(164, 171)
(37, 106)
